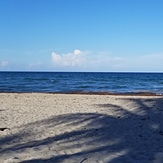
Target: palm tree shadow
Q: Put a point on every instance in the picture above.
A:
(125, 136)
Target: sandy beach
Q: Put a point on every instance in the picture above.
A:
(73, 128)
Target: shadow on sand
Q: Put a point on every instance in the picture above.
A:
(127, 137)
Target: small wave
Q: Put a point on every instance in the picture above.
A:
(84, 86)
(36, 79)
(54, 81)
(103, 87)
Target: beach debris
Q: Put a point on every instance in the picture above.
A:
(83, 160)
(4, 128)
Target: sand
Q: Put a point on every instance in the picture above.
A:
(64, 128)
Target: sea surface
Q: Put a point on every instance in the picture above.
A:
(69, 82)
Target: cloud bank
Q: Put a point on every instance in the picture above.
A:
(74, 59)
(100, 61)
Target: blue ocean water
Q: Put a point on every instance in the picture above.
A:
(65, 82)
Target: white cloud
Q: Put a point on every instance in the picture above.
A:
(91, 61)
(152, 62)
(4, 63)
(75, 59)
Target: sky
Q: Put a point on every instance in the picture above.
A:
(81, 35)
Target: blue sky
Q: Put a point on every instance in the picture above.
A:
(81, 35)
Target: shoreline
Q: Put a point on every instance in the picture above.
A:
(93, 93)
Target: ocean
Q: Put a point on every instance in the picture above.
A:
(75, 82)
